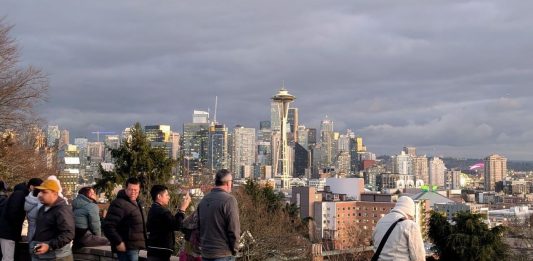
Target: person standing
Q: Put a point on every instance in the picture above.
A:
(162, 224)
(405, 239)
(32, 205)
(87, 217)
(54, 229)
(124, 223)
(11, 221)
(218, 218)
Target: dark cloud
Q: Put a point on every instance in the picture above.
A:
(451, 78)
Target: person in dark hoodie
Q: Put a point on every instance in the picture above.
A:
(11, 221)
(87, 217)
(124, 223)
(162, 224)
(54, 230)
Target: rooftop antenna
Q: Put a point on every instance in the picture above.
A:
(216, 107)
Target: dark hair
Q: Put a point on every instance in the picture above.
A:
(220, 177)
(132, 180)
(34, 182)
(85, 191)
(156, 190)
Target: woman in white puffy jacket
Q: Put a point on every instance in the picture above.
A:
(405, 242)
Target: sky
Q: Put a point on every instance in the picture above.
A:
(451, 78)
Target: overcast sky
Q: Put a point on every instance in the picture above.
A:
(452, 78)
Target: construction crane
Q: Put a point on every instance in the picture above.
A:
(101, 132)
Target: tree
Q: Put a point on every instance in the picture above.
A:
(136, 158)
(21, 88)
(275, 233)
(466, 238)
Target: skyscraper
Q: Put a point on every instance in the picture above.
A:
(158, 133)
(175, 139)
(195, 144)
(495, 170)
(301, 160)
(159, 137)
(327, 140)
(196, 141)
(218, 147)
(110, 142)
(200, 117)
(52, 135)
(243, 150)
(64, 138)
(292, 121)
(280, 104)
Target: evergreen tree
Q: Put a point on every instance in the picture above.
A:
(466, 238)
(136, 158)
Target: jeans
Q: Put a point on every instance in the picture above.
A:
(130, 255)
(227, 258)
(8, 249)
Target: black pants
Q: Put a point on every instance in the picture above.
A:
(158, 256)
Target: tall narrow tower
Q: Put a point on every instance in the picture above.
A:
(281, 101)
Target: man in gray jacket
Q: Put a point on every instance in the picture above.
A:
(218, 218)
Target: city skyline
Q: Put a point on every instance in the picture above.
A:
(451, 87)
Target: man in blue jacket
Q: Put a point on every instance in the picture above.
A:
(87, 218)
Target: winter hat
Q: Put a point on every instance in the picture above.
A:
(53, 177)
(405, 205)
(49, 184)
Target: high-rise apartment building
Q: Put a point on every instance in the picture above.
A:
(402, 164)
(243, 150)
(420, 168)
(495, 170)
(410, 151)
(436, 171)
(452, 179)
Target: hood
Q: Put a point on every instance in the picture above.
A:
(31, 202)
(81, 201)
(406, 206)
(21, 187)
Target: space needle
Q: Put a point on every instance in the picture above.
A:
(282, 99)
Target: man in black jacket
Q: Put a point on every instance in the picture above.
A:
(11, 221)
(124, 223)
(162, 224)
(54, 230)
